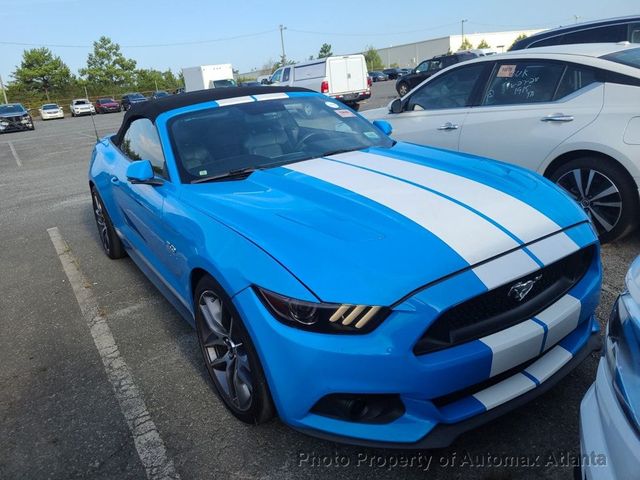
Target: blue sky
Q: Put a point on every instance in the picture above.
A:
(347, 25)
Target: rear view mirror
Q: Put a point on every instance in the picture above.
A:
(396, 106)
(141, 171)
(384, 126)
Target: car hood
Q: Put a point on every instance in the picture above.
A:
(369, 227)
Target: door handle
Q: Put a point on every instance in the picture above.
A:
(449, 126)
(115, 180)
(557, 117)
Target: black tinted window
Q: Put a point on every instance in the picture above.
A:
(573, 79)
(611, 33)
(450, 90)
(141, 142)
(523, 82)
(286, 74)
(629, 57)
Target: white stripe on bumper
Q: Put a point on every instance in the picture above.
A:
(471, 236)
(514, 345)
(504, 391)
(549, 364)
(561, 318)
(519, 383)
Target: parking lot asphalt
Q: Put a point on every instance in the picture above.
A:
(61, 418)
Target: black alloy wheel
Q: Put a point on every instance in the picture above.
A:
(111, 243)
(604, 191)
(230, 357)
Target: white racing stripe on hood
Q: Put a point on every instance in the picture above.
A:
(521, 219)
(474, 238)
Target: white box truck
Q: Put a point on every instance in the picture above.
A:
(342, 77)
(208, 76)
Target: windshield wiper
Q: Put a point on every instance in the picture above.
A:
(342, 150)
(239, 173)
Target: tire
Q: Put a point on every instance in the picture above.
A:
(605, 191)
(111, 243)
(222, 335)
(403, 88)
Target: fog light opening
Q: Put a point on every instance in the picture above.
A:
(360, 408)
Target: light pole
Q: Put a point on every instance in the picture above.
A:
(284, 57)
(462, 31)
(4, 92)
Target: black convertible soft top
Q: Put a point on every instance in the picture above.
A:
(152, 108)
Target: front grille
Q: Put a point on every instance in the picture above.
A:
(495, 310)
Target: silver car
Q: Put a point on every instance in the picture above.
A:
(610, 410)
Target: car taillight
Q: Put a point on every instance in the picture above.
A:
(324, 87)
(369, 81)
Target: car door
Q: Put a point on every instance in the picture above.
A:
(276, 78)
(529, 107)
(141, 205)
(435, 112)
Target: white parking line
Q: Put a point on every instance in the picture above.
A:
(146, 437)
(15, 154)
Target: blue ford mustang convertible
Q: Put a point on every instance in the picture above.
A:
(364, 290)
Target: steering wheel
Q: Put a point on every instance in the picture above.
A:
(306, 137)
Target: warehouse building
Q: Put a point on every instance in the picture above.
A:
(411, 54)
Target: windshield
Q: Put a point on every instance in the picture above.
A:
(223, 83)
(12, 108)
(80, 102)
(106, 100)
(50, 106)
(136, 95)
(161, 94)
(629, 57)
(267, 133)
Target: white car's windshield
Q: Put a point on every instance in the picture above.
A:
(50, 106)
(266, 133)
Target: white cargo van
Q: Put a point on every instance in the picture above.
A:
(344, 78)
(208, 76)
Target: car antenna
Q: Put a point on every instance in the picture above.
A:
(95, 129)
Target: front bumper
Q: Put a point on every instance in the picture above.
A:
(16, 126)
(51, 116)
(302, 367)
(353, 97)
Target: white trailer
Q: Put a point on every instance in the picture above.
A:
(208, 76)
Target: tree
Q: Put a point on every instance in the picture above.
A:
(372, 57)
(483, 44)
(41, 71)
(522, 36)
(325, 51)
(107, 66)
(465, 45)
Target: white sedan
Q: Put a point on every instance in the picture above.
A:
(569, 112)
(81, 106)
(50, 111)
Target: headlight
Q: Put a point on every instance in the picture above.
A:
(622, 353)
(322, 317)
(24, 120)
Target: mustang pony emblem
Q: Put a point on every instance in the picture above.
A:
(522, 289)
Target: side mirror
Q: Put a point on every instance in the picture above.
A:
(384, 126)
(396, 106)
(141, 171)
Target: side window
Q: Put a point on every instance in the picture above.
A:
(450, 90)
(141, 142)
(610, 33)
(523, 82)
(422, 67)
(574, 79)
(286, 75)
(634, 33)
(277, 76)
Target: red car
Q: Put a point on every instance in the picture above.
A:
(106, 105)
